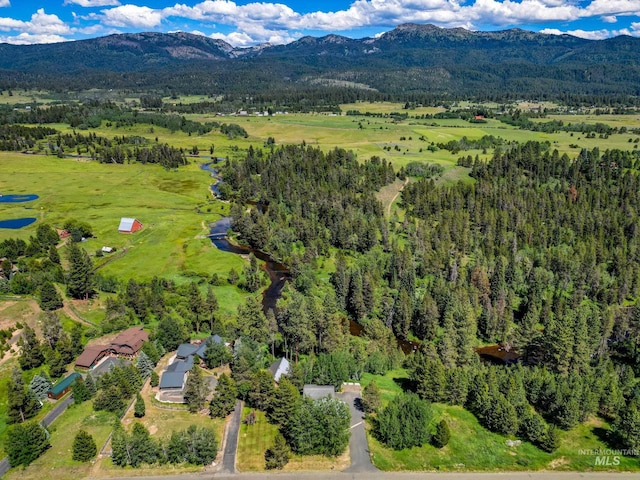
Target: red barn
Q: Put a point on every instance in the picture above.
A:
(129, 225)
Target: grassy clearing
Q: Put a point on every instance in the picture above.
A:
(472, 447)
(255, 439)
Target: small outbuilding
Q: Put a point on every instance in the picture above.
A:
(319, 391)
(129, 225)
(63, 386)
(278, 368)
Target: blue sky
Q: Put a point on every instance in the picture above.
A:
(245, 23)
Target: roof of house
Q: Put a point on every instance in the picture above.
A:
(319, 391)
(186, 349)
(130, 341)
(279, 367)
(126, 224)
(172, 380)
(181, 365)
(65, 383)
(202, 349)
(90, 355)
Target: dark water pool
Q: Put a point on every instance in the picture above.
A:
(17, 198)
(16, 223)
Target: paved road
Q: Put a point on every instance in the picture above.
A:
(57, 410)
(398, 476)
(231, 442)
(358, 445)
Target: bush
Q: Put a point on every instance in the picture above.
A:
(442, 435)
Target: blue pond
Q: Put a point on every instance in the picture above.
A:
(17, 223)
(17, 198)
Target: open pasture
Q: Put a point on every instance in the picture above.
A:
(174, 208)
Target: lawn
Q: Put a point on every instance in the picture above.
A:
(255, 439)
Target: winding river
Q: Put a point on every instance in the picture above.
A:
(278, 272)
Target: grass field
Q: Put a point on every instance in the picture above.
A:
(472, 447)
(174, 207)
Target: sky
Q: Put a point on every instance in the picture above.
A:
(246, 23)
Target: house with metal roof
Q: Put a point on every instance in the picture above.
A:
(172, 380)
(278, 368)
(129, 225)
(63, 386)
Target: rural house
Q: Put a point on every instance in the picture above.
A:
(129, 225)
(278, 368)
(63, 386)
(127, 344)
(175, 376)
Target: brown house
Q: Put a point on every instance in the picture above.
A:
(127, 344)
(91, 356)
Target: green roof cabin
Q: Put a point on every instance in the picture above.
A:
(63, 386)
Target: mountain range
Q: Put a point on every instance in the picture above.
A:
(408, 60)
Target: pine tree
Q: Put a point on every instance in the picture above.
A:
(80, 392)
(277, 457)
(224, 398)
(119, 451)
(31, 351)
(195, 390)
(144, 364)
(80, 277)
(25, 443)
(441, 437)
(155, 379)
(284, 403)
(139, 407)
(22, 403)
(371, 400)
(40, 385)
(626, 428)
(210, 307)
(49, 298)
(84, 447)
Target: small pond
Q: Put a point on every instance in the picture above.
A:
(16, 223)
(17, 198)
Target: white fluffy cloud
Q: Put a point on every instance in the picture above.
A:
(275, 22)
(29, 39)
(41, 23)
(92, 3)
(132, 16)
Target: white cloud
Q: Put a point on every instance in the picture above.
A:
(41, 23)
(5, 3)
(609, 19)
(92, 3)
(589, 35)
(132, 16)
(29, 39)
